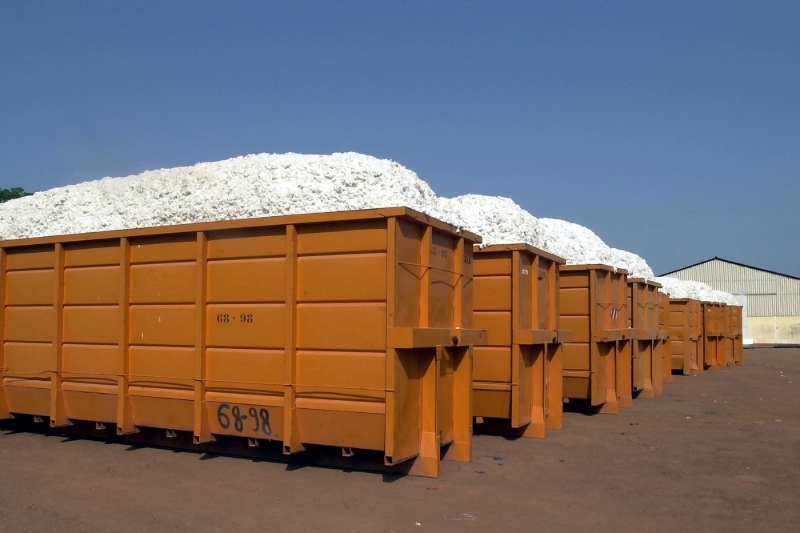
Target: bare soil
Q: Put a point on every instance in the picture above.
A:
(717, 452)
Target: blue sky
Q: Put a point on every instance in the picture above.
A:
(670, 128)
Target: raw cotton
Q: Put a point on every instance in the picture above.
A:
(677, 288)
(501, 221)
(243, 187)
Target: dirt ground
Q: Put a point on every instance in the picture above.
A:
(718, 452)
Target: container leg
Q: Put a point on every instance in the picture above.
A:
(428, 462)
(555, 404)
(624, 373)
(461, 448)
(666, 361)
(647, 369)
(657, 368)
(611, 405)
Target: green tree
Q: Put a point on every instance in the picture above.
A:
(12, 193)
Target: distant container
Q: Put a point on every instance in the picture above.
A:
(348, 330)
(593, 300)
(686, 335)
(517, 375)
(647, 372)
(714, 335)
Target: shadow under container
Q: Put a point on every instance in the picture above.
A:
(517, 375)
(714, 335)
(348, 330)
(662, 345)
(646, 377)
(593, 308)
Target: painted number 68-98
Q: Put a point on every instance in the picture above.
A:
(227, 415)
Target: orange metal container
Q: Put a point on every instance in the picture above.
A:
(685, 336)
(647, 372)
(730, 336)
(593, 308)
(714, 335)
(350, 330)
(662, 346)
(517, 376)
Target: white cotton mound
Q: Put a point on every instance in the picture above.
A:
(243, 187)
(501, 221)
(695, 290)
(496, 219)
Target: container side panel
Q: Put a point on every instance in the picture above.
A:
(166, 325)
(30, 258)
(91, 285)
(492, 264)
(31, 324)
(164, 248)
(492, 363)
(245, 370)
(574, 301)
(339, 278)
(245, 325)
(30, 287)
(341, 375)
(575, 356)
(497, 324)
(161, 367)
(341, 326)
(492, 293)
(163, 283)
(342, 237)
(574, 278)
(578, 326)
(28, 360)
(443, 281)
(408, 274)
(91, 253)
(94, 363)
(247, 243)
(246, 280)
(92, 324)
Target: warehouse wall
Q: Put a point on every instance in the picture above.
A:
(774, 330)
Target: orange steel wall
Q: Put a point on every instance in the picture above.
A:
(348, 330)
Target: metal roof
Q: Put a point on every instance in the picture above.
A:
(715, 258)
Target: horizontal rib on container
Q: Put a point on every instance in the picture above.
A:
(593, 308)
(517, 375)
(347, 329)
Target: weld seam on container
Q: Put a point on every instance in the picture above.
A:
(309, 330)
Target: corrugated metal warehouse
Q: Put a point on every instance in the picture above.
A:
(771, 300)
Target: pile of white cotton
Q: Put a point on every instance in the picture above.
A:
(501, 221)
(695, 290)
(244, 187)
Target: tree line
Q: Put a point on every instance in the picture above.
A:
(12, 194)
